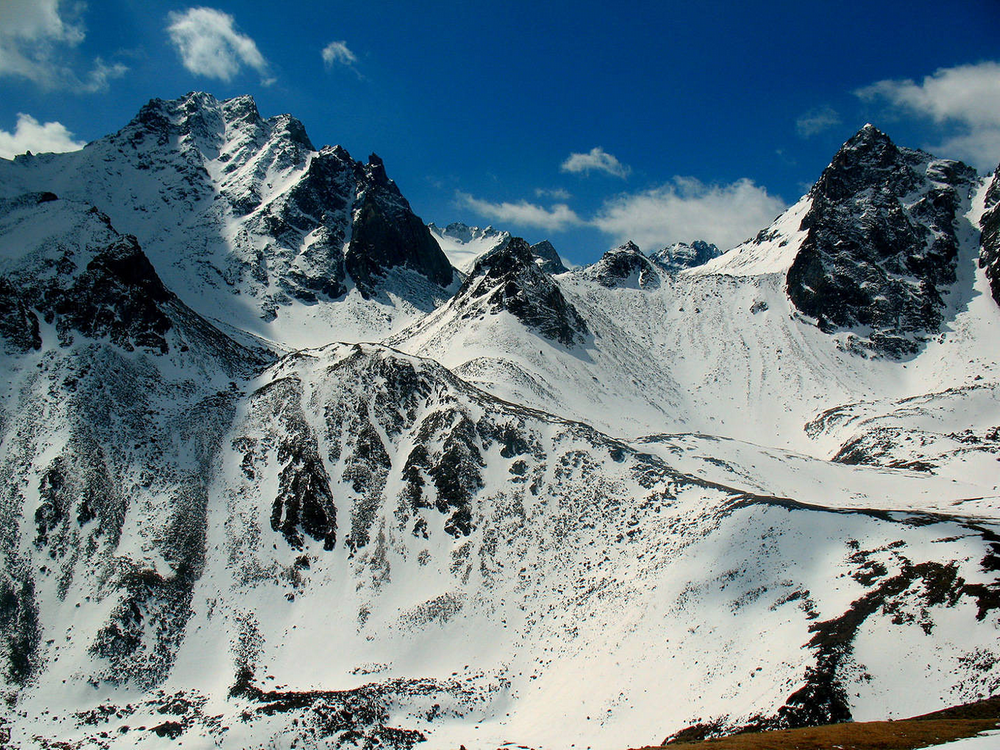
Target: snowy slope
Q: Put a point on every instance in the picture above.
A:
(475, 570)
(464, 244)
(721, 349)
(115, 396)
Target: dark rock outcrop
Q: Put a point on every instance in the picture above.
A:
(547, 258)
(989, 247)
(881, 247)
(105, 289)
(625, 266)
(386, 234)
(509, 279)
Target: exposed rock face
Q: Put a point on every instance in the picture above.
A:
(66, 262)
(509, 279)
(681, 255)
(86, 278)
(989, 249)
(881, 245)
(387, 234)
(625, 266)
(547, 258)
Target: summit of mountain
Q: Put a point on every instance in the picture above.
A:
(251, 224)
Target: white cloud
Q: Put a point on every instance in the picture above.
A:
(555, 219)
(97, 79)
(210, 46)
(816, 121)
(338, 53)
(967, 96)
(30, 135)
(687, 209)
(39, 19)
(595, 159)
(36, 40)
(556, 194)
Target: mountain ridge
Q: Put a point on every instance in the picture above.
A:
(373, 501)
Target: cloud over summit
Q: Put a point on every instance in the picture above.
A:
(966, 97)
(210, 45)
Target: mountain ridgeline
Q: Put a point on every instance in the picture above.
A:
(282, 465)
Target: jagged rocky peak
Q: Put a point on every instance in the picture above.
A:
(387, 234)
(198, 119)
(868, 158)
(989, 248)
(625, 266)
(547, 258)
(230, 131)
(240, 213)
(881, 217)
(508, 278)
(681, 255)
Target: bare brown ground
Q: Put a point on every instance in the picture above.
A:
(909, 734)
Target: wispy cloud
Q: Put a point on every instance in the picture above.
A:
(686, 209)
(555, 219)
(210, 45)
(556, 194)
(967, 96)
(817, 120)
(30, 135)
(36, 43)
(337, 53)
(595, 160)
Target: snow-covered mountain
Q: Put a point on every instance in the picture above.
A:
(250, 224)
(275, 472)
(683, 255)
(465, 245)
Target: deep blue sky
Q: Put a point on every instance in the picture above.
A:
(734, 107)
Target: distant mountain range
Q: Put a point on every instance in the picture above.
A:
(283, 466)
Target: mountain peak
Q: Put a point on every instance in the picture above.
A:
(867, 158)
(376, 170)
(683, 255)
(868, 238)
(508, 278)
(625, 266)
(547, 258)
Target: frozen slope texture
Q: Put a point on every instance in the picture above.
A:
(115, 397)
(391, 555)
(250, 224)
(723, 349)
(682, 255)
(464, 244)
